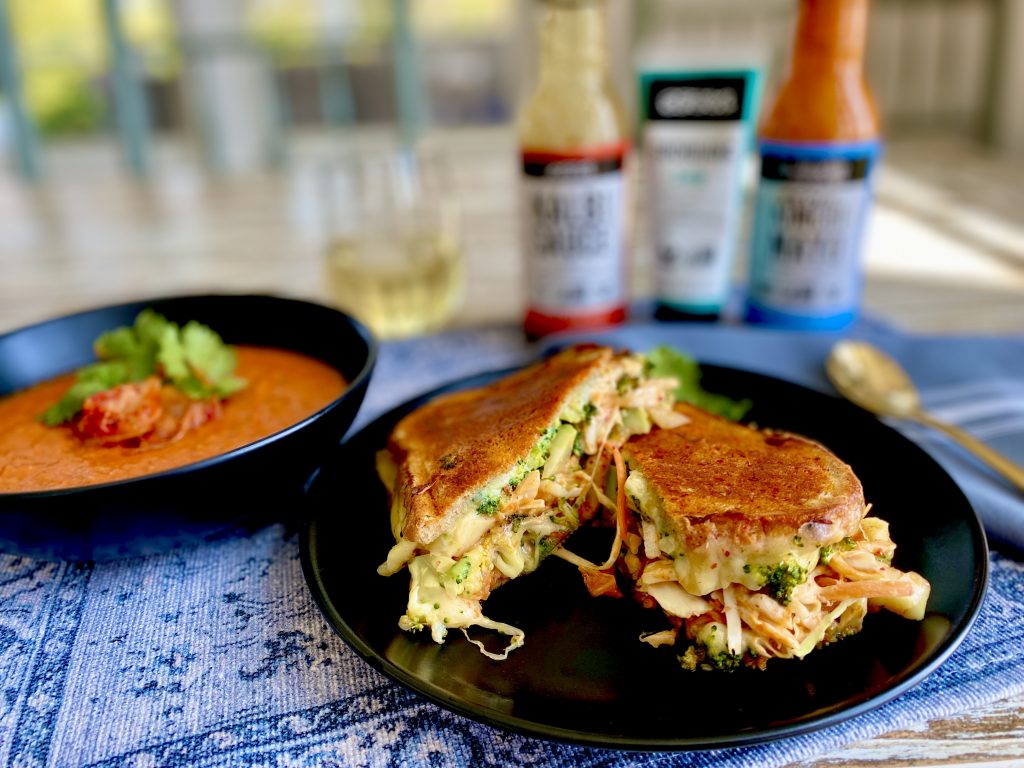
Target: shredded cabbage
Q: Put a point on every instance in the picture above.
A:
(518, 637)
(733, 628)
(810, 642)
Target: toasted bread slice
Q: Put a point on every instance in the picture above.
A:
(712, 482)
(452, 448)
(755, 543)
(488, 482)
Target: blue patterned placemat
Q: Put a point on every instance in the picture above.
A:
(216, 655)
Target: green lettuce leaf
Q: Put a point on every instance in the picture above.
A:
(171, 356)
(207, 354)
(669, 362)
(89, 381)
(198, 362)
(194, 359)
(71, 403)
(229, 385)
(126, 345)
(109, 373)
(150, 327)
(121, 342)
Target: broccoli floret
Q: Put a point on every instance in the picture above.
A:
(689, 659)
(780, 579)
(699, 657)
(724, 661)
(588, 412)
(539, 453)
(546, 546)
(488, 506)
(626, 383)
(826, 552)
(460, 571)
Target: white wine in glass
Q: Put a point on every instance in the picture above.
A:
(393, 256)
(398, 286)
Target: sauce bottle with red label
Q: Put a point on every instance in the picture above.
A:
(818, 145)
(574, 147)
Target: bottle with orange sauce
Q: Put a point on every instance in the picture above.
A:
(818, 144)
(573, 138)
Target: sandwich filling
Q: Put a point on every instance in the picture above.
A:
(784, 601)
(744, 600)
(506, 527)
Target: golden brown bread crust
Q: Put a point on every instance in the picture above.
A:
(448, 449)
(725, 482)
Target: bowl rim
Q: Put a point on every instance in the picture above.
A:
(359, 382)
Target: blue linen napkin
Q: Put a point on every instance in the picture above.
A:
(216, 655)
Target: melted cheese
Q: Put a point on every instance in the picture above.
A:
(467, 531)
(715, 566)
(675, 600)
(433, 605)
(449, 582)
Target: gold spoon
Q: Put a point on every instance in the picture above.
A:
(870, 378)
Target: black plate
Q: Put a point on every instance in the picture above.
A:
(247, 486)
(582, 676)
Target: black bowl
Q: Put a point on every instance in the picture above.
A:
(251, 485)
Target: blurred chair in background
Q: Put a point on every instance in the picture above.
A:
(182, 91)
(22, 133)
(243, 75)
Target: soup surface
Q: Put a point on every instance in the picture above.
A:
(283, 388)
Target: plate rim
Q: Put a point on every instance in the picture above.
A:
(534, 729)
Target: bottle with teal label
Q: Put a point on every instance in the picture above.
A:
(818, 148)
(697, 132)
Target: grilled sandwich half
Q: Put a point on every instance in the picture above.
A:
(485, 483)
(755, 543)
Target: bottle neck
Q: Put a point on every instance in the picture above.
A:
(573, 42)
(831, 34)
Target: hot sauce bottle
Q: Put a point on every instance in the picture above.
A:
(818, 147)
(573, 141)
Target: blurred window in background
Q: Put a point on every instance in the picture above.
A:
(245, 77)
(63, 59)
(333, 62)
(65, 63)
(282, 64)
(469, 62)
(149, 29)
(930, 62)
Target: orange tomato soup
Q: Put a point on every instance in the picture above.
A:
(283, 388)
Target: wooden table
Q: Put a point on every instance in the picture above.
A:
(90, 236)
